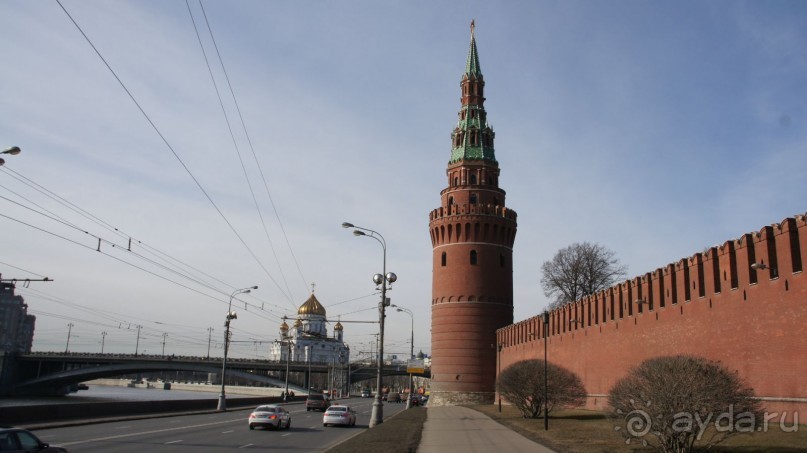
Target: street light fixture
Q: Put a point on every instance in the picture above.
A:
(377, 415)
(13, 151)
(411, 349)
(287, 337)
(546, 374)
(499, 370)
(231, 314)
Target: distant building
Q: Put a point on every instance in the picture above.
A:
(308, 340)
(16, 325)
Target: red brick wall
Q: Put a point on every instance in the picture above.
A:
(758, 329)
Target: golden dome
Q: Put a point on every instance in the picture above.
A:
(298, 323)
(284, 327)
(338, 326)
(311, 307)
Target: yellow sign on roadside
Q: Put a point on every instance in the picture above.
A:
(415, 366)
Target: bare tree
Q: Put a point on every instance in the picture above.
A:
(579, 270)
(522, 384)
(675, 403)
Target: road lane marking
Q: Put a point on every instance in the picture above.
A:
(173, 442)
(228, 432)
(284, 435)
(246, 446)
(120, 436)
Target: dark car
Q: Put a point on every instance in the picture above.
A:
(18, 439)
(394, 397)
(317, 402)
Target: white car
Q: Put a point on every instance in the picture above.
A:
(270, 416)
(339, 415)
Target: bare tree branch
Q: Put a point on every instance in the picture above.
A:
(579, 270)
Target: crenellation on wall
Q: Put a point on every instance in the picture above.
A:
(751, 320)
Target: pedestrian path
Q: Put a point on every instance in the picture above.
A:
(457, 428)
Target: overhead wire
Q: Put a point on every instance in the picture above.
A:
(232, 137)
(176, 155)
(260, 309)
(254, 154)
(86, 214)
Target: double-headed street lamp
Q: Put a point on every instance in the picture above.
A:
(377, 415)
(411, 348)
(230, 316)
(13, 151)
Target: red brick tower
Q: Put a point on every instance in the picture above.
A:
(472, 237)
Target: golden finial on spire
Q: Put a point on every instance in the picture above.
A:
(313, 287)
(472, 28)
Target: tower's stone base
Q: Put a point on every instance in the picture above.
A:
(439, 398)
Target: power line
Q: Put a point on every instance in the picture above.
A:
(176, 155)
(254, 155)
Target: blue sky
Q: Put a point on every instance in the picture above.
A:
(656, 129)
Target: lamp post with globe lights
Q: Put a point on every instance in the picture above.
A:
(12, 151)
(382, 279)
(230, 316)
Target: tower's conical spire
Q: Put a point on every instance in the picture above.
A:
(472, 65)
(472, 138)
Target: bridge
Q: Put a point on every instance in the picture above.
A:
(55, 373)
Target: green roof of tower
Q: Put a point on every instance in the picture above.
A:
(472, 65)
(472, 138)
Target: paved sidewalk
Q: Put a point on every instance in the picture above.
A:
(457, 428)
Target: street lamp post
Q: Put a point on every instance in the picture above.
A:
(308, 352)
(13, 151)
(69, 329)
(499, 370)
(546, 366)
(377, 415)
(411, 348)
(288, 354)
(230, 316)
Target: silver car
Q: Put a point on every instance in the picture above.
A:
(339, 415)
(270, 416)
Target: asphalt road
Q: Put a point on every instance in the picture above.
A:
(214, 432)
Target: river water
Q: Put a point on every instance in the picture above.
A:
(102, 393)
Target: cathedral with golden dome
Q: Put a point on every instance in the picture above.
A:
(308, 340)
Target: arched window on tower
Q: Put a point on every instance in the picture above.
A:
(443, 260)
(450, 201)
(473, 258)
(473, 198)
(456, 181)
(473, 179)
